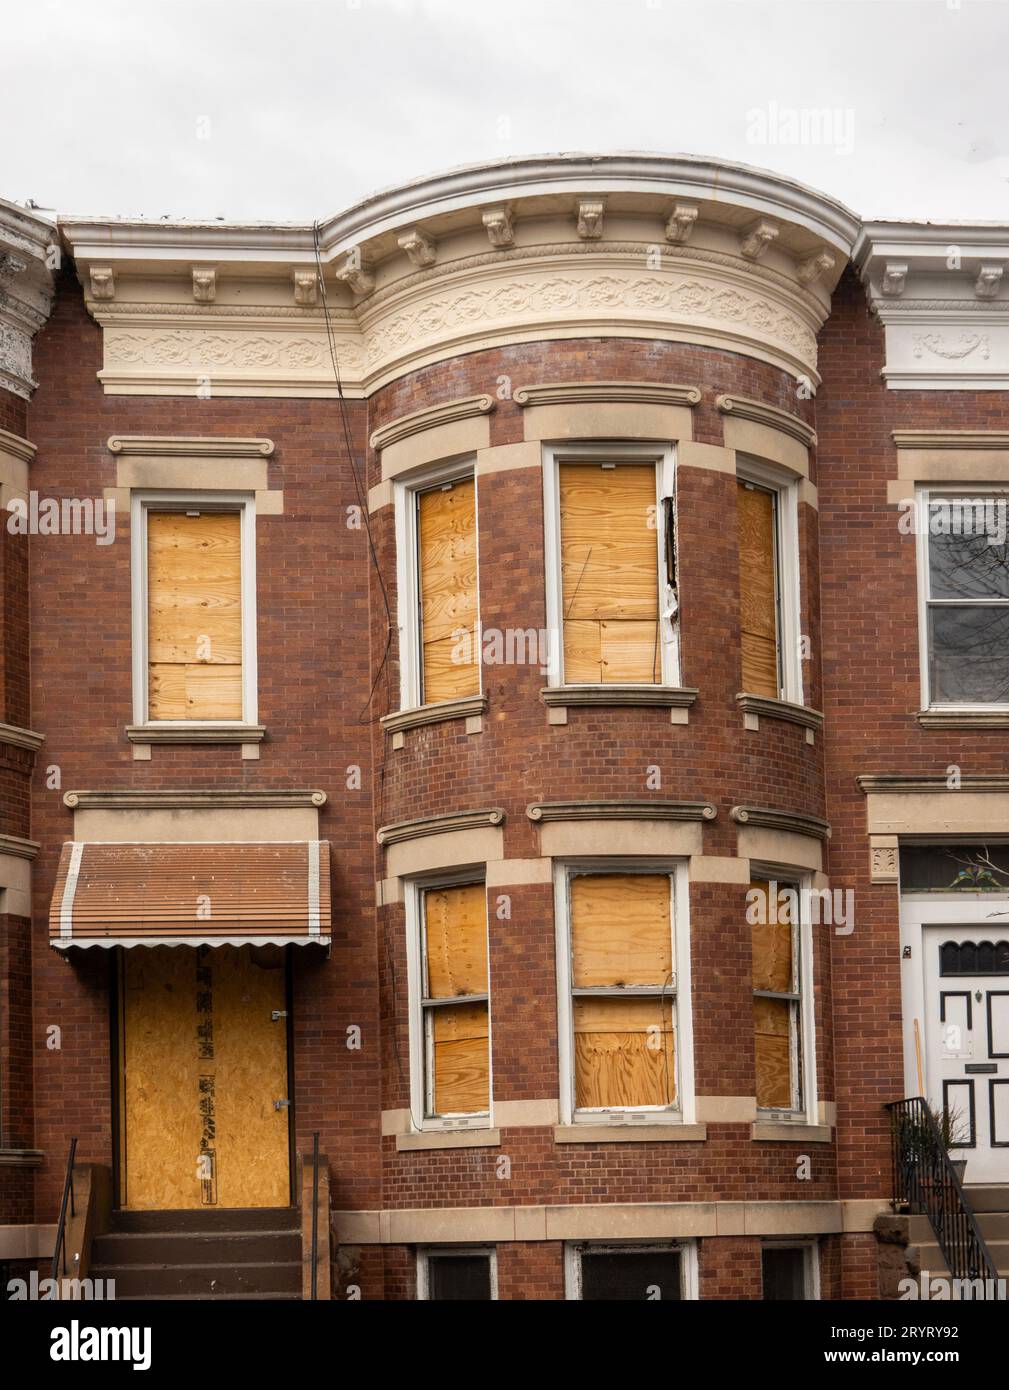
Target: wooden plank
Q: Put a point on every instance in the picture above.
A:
(758, 614)
(455, 922)
(620, 930)
(617, 1061)
(772, 1038)
(771, 944)
(461, 1059)
(630, 651)
(446, 519)
(609, 565)
(194, 628)
(583, 651)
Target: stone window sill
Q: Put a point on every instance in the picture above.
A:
(790, 1132)
(630, 1134)
(449, 1139)
(656, 696)
(764, 707)
(198, 733)
(21, 1158)
(470, 707)
(963, 718)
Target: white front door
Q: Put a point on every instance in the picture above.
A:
(965, 972)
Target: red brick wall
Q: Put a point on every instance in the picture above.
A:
(730, 1268)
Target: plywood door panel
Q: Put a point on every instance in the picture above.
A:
(620, 930)
(461, 1059)
(758, 616)
(446, 521)
(194, 624)
(455, 921)
(618, 1062)
(202, 1065)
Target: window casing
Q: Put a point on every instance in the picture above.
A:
(790, 1270)
(194, 609)
(437, 546)
(647, 1271)
(457, 1272)
(450, 1046)
(781, 955)
(768, 530)
(963, 590)
(624, 1039)
(610, 565)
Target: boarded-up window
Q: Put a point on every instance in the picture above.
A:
(623, 991)
(194, 615)
(776, 998)
(609, 574)
(446, 540)
(758, 590)
(455, 1000)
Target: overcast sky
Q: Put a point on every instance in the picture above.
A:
(294, 109)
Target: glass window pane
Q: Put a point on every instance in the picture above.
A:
(969, 655)
(968, 556)
(651, 1275)
(464, 1277)
(784, 1273)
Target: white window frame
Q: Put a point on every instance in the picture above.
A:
(785, 487)
(406, 491)
(142, 502)
(686, 1249)
(664, 458)
(922, 496)
(811, 1264)
(420, 1087)
(803, 1046)
(425, 1253)
(683, 1111)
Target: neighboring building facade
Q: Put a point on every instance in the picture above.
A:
(539, 763)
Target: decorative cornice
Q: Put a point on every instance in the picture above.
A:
(744, 408)
(438, 825)
(18, 847)
(613, 696)
(132, 799)
(585, 392)
(21, 738)
(188, 446)
(28, 254)
(951, 439)
(406, 425)
(896, 784)
(196, 733)
(433, 714)
(543, 811)
(785, 710)
(767, 818)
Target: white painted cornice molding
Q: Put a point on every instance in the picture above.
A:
(29, 252)
(939, 292)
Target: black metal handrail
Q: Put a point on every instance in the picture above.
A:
(925, 1181)
(60, 1250)
(315, 1215)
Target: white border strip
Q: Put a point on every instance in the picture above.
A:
(314, 917)
(70, 891)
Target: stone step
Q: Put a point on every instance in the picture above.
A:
(988, 1196)
(208, 1280)
(243, 1219)
(196, 1247)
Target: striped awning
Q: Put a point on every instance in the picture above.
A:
(191, 894)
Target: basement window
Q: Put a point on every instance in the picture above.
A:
(611, 566)
(647, 1272)
(790, 1272)
(436, 524)
(194, 619)
(464, 1273)
(618, 995)
(767, 521)
(450, 1013)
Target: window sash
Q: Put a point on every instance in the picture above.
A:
(773, 494)
(429, 1007)
(793, 997)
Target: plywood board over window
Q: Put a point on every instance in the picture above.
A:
(609, 573)
(447, 546)
(194, 616)
(775, 1003)
(758, 597)
(456, 1025)
(624, 1049)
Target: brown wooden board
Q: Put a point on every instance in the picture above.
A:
(461, 1059)
(771, 1026)
(617, 1061)
(758, 615)
(771, 943)
(448, 591)
(455, 923)
(620, 930)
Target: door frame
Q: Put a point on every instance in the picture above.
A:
(116, 1061)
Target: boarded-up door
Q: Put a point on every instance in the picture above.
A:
(203, 1061)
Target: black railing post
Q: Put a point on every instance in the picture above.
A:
(59, 1251)
(315, 1215)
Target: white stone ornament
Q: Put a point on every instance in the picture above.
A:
(757, 238)
(498, 222)
(204, 284)
(681, 222)
(986, 286)
(356, 273)
(894, 279)
(815, 267)
(306, 286)
(421, 249)
(102, 282)
(590, 218)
